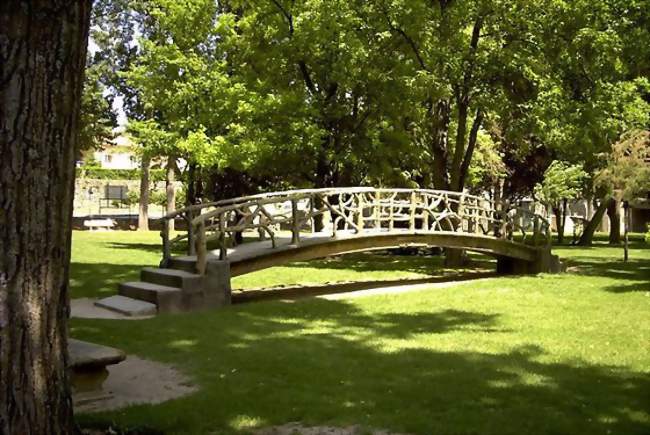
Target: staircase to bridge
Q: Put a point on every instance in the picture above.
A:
(241, 235)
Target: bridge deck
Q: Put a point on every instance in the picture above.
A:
(251, 256)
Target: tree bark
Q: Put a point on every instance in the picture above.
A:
(42, 58)
(170, 188)
(560, 220)
(143, 209)
(587, 236)
(626, 240)
(439, 144)
(613, 211)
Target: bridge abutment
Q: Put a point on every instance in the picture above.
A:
(544, 262)
(217, 290)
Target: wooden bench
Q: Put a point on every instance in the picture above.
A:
(88, 364)
(101, 224)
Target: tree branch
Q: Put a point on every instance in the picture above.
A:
(414, 47)
(286, 15)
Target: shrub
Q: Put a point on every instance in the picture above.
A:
(118, 174)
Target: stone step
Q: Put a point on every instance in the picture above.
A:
(186, 263)
(188, 282)
(127, 306)
(88, 363)
(167, 299)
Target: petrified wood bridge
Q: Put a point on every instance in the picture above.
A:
(276, 228)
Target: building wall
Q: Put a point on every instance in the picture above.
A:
(109, 160)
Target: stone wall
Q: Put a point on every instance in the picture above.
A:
(88, 192)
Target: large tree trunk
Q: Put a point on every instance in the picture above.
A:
(143, 209)
(170, 189)
(613, 211)
(588, 232)
(42, 56)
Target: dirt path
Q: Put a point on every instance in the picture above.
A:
(133, 381)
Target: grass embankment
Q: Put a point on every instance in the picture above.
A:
(542, 354)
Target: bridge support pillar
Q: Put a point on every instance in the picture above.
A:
(545, 262)
(216, 284)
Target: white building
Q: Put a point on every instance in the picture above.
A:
(119, 154)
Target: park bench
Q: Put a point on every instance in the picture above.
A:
(88, 364)
(99, 224)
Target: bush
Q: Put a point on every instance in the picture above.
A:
(647, 234)
(118, 174)
(157, 197)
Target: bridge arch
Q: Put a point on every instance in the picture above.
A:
(314, 223)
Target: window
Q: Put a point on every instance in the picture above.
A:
(108, 158)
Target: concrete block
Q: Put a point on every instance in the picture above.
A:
(216, 283)
(127, 306)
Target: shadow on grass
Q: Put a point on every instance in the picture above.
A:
(586, 261)
(329, 362)
(371, 262)
(634, 270)
(98, 280)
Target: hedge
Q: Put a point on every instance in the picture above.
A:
(118, 174)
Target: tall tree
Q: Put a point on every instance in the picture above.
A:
(562, 182)
(42, 56)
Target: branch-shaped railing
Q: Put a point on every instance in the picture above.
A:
(360, 210)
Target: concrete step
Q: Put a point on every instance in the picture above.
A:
(186, 263)
(167, 299)
(127, 306)
(88, 363)
(188, 282)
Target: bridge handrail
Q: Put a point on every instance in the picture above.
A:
(356, 208)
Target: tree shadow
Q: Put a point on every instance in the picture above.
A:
(333, 362)
(97, 280)
(636, 270)
(371, 262)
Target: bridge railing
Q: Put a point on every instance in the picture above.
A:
(356, 210)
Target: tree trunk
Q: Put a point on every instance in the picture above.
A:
(560, 220)
(626, 223)
(440, 119)
(613, 211)
(42, 57)
(588, 232)
(323, 179)
(171, 189)
(143, 209)
(190, 197)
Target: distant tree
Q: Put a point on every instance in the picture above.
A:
(97, 116)
(626, 174)
(562, 182)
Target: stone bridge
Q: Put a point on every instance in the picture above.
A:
(242, 235)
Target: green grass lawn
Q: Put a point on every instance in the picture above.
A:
(548, 354)
(101, 260)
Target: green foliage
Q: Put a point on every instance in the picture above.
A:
(97, 118)
(96, 173)
(562, 181)
(407, 93)
(627, 172)
(487, 166)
